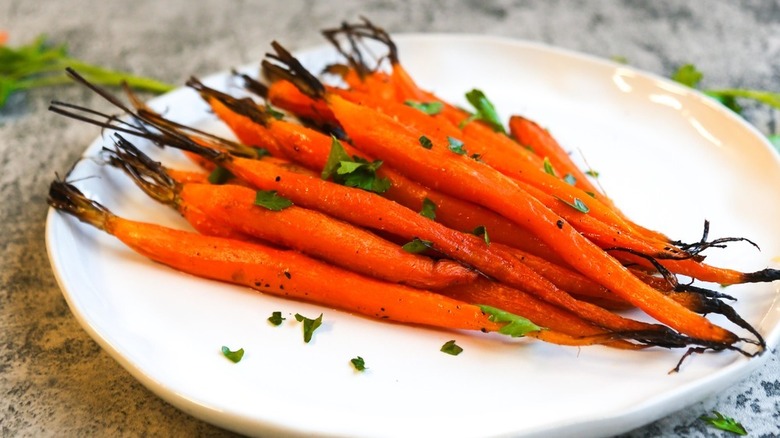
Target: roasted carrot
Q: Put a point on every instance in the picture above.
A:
(292, 227)
(282, 273)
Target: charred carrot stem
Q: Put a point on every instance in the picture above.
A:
(282, 273)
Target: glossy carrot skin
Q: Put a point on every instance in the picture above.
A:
(459, 176)
(321, 236)
(293, 275)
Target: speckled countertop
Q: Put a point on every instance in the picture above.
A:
(54, 380)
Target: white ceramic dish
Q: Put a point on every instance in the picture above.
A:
(667, 155)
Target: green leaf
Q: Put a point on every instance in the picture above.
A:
(577, 204)
(456, 145)
(723, 422)
(309, 325)
(450, 347)
(353, 172)
(430, 108)
(591, 172)
(273, 112)
(548, 167)
(234, 356)
(276, 318)
(688, 75)
(428, 209)
(417, 246)
(570, 179)
(482, 232)
(515, 326)
(485, 110)
(220, 176)
(426, 142)
(270, 200)
(358, 363)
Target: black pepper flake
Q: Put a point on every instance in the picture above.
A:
(278, 178)
(288, 275)
(281, 286)
(559, 224)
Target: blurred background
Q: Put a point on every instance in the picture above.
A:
(55, 380)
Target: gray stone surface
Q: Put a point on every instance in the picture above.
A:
(54, 380)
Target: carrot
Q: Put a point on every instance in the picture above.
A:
(292, 227)
(276, 272)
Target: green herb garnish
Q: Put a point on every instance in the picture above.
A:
(723, 422)
(234, 356)
(219, 176)
(548, 167)
(276, 318)
(309, 325)
(273, 112)
(417, 246)
(570, 179)
(481, 231)
(577, 204)
(450, 347)
(456, 145)
(516, 326)
(688, 75)
(270, 200)
(428, 209)
(426, 142)
(430, 108)
(591, 172)
(354, 171)
(40, 64)
(486, 112)
(358, 363)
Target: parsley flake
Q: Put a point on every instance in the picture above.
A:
(548, 167)
(417, 246)
(309, 325)
(688, 75)
(270, 200)
(570, 179)
(358, 363)
(430, 108)
(426, 142)
(486, 112)
(234, 356)
(456, 145)
(276, 318)
(428, 209)
(516, 326)
(577, 204)
(482, 231)
(220, 176)
(353, 171)
(723, 422)
(273, 112)
(591, 172)
(450, 347)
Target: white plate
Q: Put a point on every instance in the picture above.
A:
(667, 155)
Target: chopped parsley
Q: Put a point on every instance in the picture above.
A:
(276, 318)
(234, 356)
(430, 108)
(456, 145)
(591, 172)
(309, 325)
(417, 246)
(450, 347)
(570, 179)
(270, 200)
(688, 75)
(516, 326)
(723, 422)
(220, 176)
(426, 142)
(486, 112)
(481, 231)
(577, 204)
(273, 112)
(354, 171)
(548, 167)
(428, 209)
(358, 363)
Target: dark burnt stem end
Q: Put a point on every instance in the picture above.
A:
(149, 175)
(67, 198)
(665, 273)
(696, 248)
(283, 65)
(252, 84)
(762, 276)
